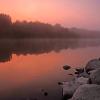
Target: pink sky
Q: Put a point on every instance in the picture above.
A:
(70, 13)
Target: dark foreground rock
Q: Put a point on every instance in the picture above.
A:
(86, 83)
(87, 92)
(66, 67)
(70, 87)
(92, 65)
(95, 77)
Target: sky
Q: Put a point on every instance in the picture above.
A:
(69, 13)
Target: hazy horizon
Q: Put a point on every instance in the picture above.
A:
(69, 13)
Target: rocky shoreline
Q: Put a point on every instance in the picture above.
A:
(86, 83)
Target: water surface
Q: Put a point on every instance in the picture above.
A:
(28, 67)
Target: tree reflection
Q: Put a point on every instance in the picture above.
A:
(39, 46)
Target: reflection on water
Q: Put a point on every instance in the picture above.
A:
(38, 69)
(39, 46)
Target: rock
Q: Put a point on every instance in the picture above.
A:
(70, 87)
(87, 92)
(66, 67)
(92, 65)
(76, 73)
(82, 80)
(84, 74)
(45, 94)
(95, 77)
(80, 70)
(60, 83)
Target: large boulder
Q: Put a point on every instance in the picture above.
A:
(95, 77)
(87, 92)
(84, 74)
(92, 65)
(70, 87)
(81, 80)
(80, 72)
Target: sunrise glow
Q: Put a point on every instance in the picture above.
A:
(70, 13)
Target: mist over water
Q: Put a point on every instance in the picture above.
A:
(42, 42)
(30, 67)
(40, 46)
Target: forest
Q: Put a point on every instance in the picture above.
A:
(25, 29)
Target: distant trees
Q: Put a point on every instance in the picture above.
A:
(32, 29)
(5, 25)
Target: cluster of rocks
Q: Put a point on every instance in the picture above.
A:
(86, 83)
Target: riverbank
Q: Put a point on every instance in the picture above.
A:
(86, 83)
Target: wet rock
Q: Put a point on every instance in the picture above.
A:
(80, 70)
(87, 92)
(82, 80)
(76, 73)
(60, 83)
(66, 67)
(70, 87)
(86, 83)
(45, 94)
(66, 97)
(84, 74)
(95, 77)
(92, 65)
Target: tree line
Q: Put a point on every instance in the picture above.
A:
(25, 29)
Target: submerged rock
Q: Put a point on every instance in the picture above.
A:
(87, 92)
(66, 67)
(60, 83)
(95, 77)
(70, 87)
(80, 70)
(86, 83)
(45, 94)
(92, 65)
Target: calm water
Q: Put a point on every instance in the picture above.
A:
(28, 68)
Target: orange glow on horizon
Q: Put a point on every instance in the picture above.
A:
(66, 12)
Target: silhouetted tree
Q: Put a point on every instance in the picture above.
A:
(26, 29)
(5, 26)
